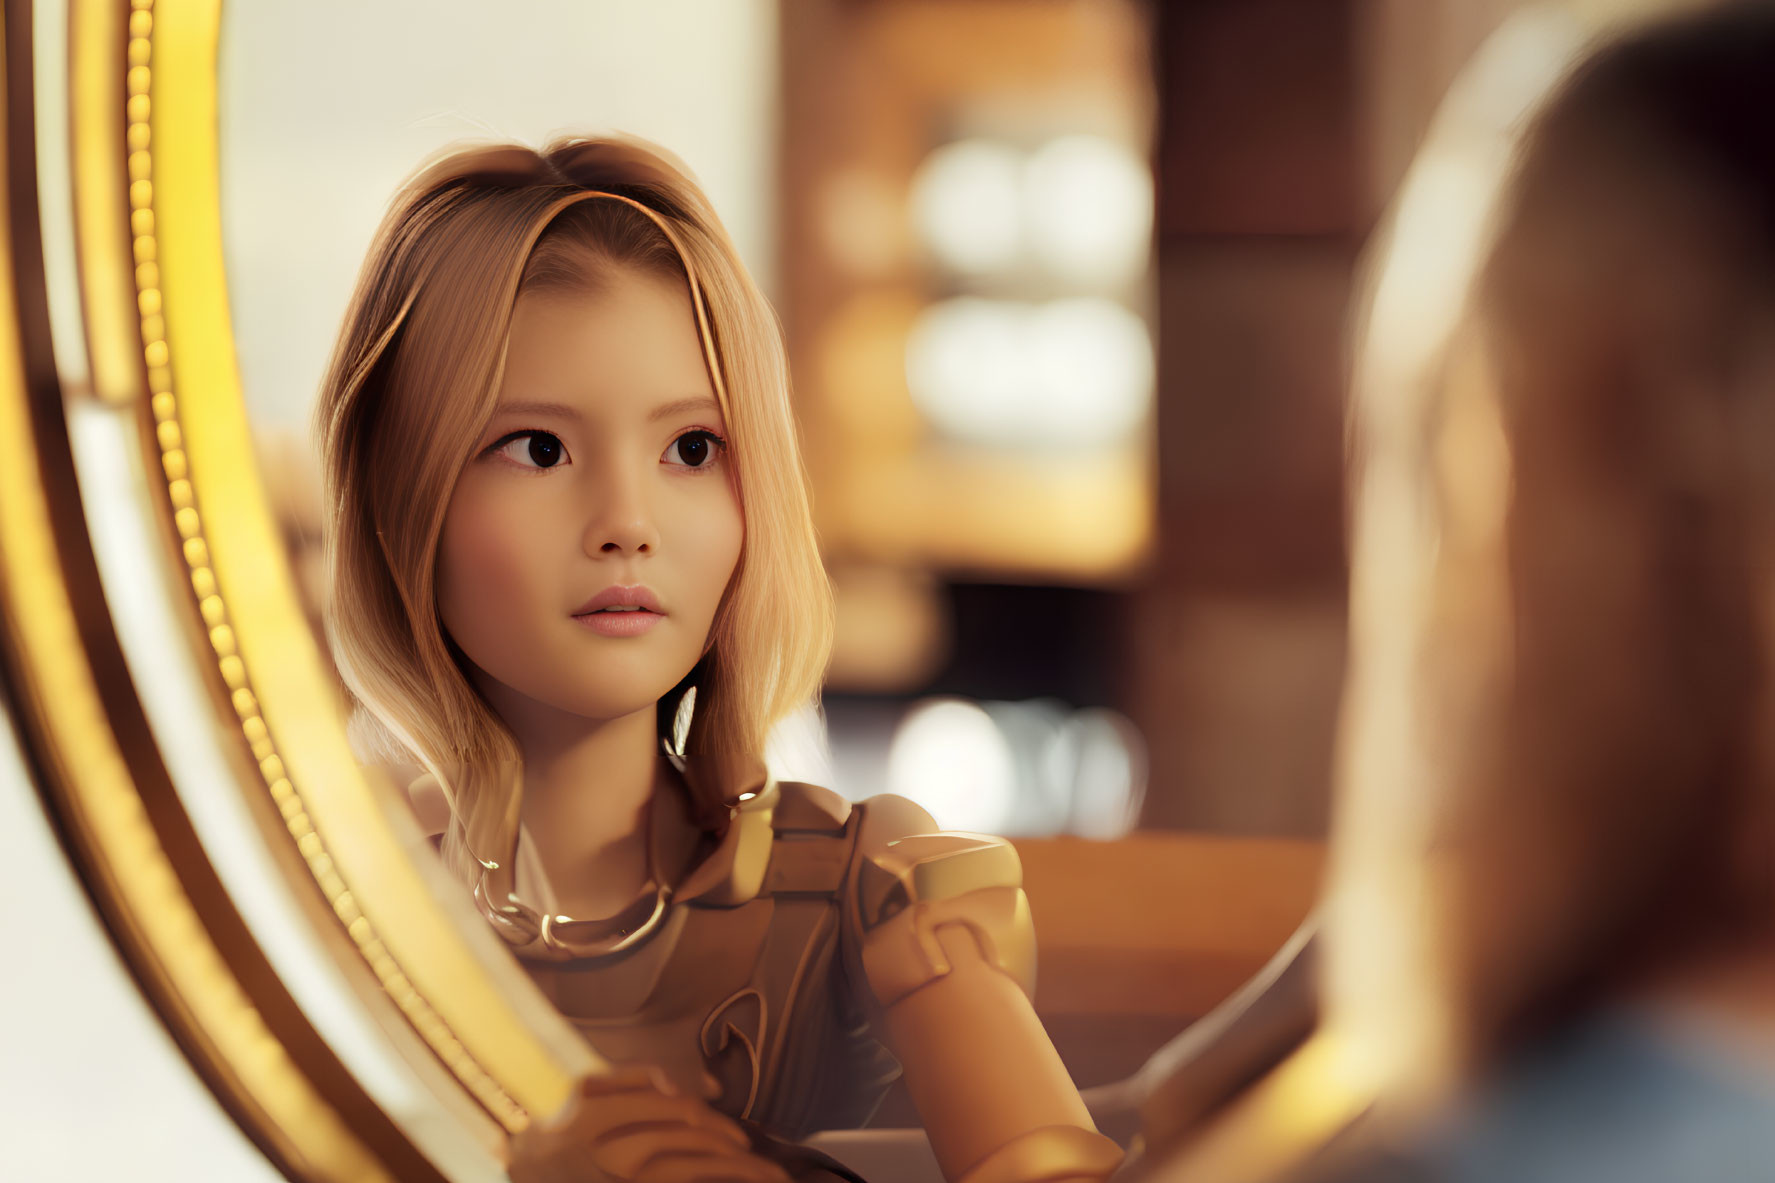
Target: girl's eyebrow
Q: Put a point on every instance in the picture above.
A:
(683, 405)
(527, 408)
(664, 411)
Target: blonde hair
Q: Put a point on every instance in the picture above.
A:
(414, 381)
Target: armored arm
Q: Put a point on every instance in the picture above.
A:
(947, 948)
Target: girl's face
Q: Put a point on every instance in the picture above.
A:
(591, 536)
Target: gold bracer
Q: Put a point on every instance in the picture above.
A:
(948, 952)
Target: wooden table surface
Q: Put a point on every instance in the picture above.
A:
(1160, 923)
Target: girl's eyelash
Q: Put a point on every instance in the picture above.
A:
(509, 436)
(708, 431)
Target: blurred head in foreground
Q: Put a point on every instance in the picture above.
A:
(1553, 889)
(1562, 699)
(1628, 318)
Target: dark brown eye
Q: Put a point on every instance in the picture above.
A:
(534, 449)
(693, 449)
(545, 450)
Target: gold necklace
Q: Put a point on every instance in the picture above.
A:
(522, 925)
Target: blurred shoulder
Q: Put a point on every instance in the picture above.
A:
(1614, 1096)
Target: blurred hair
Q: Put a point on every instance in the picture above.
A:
(1627, 315)
(414, 381)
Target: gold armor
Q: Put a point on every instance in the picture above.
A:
(811, 949)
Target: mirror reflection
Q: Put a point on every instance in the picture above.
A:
(1062, 303)
(573, 576)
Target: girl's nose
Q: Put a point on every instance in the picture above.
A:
(622, 521)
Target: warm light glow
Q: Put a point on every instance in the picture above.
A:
(1080, 207)
(1099, 758)
(1068, 374)
(1077, 516)
(967, 202)
(950, 757)
(966, 370)
(1090, 369)
(1089, 205)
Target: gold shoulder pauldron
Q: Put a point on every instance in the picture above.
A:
(916, 886)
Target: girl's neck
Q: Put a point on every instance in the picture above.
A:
(593, 775)
(587, 791)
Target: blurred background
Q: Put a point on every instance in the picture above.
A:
(1065, 285)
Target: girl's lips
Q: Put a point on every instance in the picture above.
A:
(620, 624)
(618, 595)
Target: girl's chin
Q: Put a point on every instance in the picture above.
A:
(602, 710)
(614, 697)
(606, 683)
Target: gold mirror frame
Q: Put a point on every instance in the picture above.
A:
(114, 326)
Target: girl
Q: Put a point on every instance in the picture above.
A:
(574, 576)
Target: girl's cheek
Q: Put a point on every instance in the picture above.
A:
(481, 542)
(720, 545)
(494, 525)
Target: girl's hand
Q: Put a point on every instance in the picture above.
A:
(633, 1126)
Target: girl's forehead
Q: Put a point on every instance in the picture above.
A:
(634, 339)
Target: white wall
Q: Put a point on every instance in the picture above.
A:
(328, 104)
(92, 1087)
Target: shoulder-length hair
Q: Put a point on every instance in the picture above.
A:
(412, 385)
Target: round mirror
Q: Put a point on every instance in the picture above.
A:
(919, 187)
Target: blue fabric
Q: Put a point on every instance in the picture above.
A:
(1621, 1098)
